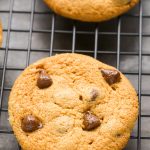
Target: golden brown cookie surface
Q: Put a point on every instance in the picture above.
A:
(91, 10)
(1, 34)
(88, 105)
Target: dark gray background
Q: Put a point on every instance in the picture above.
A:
(19, 45)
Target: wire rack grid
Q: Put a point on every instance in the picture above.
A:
(32, 31)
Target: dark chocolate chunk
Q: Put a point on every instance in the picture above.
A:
(111, 76)
(30, 123)
(118, 135)
(90, 121)
(44, 80)
(80, 97)
(94, 94)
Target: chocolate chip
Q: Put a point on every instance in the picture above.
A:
(44, 80)
(80, 97)
(118, 135)
(111, 76)
(91, 142)
(30, 123)
(90, 121)
(94, 94)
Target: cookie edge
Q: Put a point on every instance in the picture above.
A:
(116, 11)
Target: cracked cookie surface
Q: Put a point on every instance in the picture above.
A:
(91, 10)
(78, 110)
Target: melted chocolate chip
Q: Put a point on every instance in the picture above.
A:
(111, 76)
(30, 123)
(118, 135)
(91, 142)
(94, 94)
(90, 121)
(80, 97)
(44, 80)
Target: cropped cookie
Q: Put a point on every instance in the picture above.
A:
(1, 34)
(91, 10)
(72, 102)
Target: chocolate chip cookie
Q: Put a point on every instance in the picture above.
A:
(72, 102)
(91, 10)
(1, 34)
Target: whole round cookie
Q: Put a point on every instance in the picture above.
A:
(72, 102)
(1, 34)
(91, 10)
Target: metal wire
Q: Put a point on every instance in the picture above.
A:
(140, 74)
(73, 38)
(52, 34)
(30, 32)
(118, 43)
(6, 54)
(97, 33)
(96, 41)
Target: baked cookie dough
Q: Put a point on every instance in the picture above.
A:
(1, 34)
(91, 10)
(72, 102)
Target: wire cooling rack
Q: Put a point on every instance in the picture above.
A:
(32, 31)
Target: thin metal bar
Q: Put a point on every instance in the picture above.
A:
(109, 52)
(26, 12)
(30, 32)
(73, 38)
(6, 53)
(3, 109)
(96, 41)
(18, 147)
(118, 43)
(12, 68)
(52, 35)
(6, 132)
(143, 138)
(145, 116)
(83, 51)
(79, 32)
(139, 76)
(8, 89)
